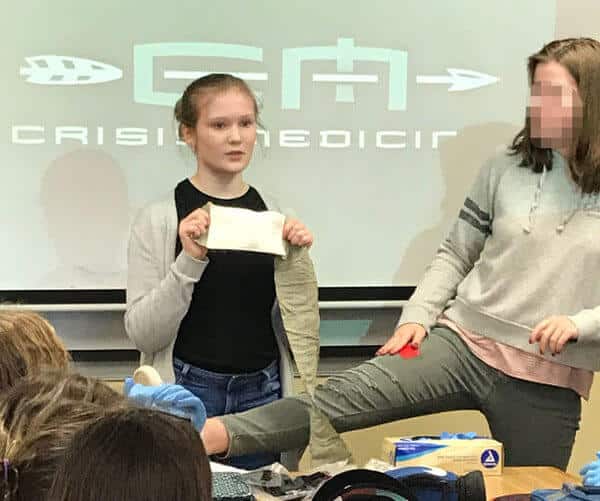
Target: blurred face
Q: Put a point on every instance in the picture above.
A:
(555, 108)
(225, 133)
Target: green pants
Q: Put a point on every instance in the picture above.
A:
(536, 423)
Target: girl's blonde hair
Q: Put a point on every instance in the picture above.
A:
(29, 344)
(38, 418)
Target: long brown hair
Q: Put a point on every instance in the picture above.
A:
(134, 455)
(581, 58)
(28, 344)
(38, 418)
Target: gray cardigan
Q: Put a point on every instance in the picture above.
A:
(160, 287)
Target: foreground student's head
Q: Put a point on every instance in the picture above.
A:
(134, 454)
(38, 418)
(28, 344)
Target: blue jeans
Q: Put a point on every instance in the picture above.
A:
(231, 393)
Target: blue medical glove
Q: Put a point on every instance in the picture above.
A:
(591, 472)
(469, 435)
(171, 398)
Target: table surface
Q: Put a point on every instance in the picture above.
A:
(522, 480)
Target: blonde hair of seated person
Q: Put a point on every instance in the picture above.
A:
(38, 418)
(29, 344)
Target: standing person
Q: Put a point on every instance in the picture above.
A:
(507, 316)
(204, 319)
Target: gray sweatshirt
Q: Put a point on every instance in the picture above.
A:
(525, 246)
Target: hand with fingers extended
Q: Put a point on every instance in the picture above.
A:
(553, 333)
(591, 472)
(170, 398)
(406, 333)
(192, 227)
(296, 233)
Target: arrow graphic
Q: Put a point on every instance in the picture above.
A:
(52, 69)
(459, 79)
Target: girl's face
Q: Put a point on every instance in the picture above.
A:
(555, 108)
(225, 133)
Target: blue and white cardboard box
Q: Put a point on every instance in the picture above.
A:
(457, 455)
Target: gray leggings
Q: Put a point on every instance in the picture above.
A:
(535, 422)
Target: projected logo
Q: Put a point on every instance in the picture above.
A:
(345, 54)
(66, 70)
(156, 66)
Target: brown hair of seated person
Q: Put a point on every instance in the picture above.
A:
(134, 454)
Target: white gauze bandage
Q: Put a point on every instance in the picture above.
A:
(232, 228)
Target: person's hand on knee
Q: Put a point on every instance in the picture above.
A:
(407, 333)
(553, 333)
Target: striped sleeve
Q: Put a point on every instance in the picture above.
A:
(457, 254)
(472, 214)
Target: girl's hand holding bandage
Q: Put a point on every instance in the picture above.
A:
(192, 227)
(296, 233)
